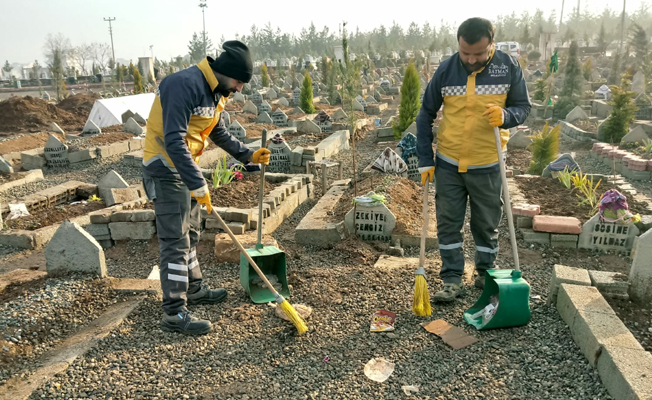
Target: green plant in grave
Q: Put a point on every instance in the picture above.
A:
(223, 174)
(647, 147)
(544, 148)
(588, 192)
(565, 177)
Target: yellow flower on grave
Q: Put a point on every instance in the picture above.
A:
(94, 198)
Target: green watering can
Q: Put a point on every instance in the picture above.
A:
(270, 260)
(507, 285)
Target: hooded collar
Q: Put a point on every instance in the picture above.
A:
(205, 67)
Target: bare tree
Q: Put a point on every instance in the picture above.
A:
(57, 48)
(101, 54)
(81, 55)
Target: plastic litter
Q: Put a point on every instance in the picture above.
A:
(378, 369)
(303, 310)
(17, 211)
(409, 389)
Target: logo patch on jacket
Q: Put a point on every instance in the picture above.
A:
(496, 71)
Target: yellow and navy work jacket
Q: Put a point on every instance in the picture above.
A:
(186, 112)
(466, 141)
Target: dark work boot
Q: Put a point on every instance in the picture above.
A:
(206, 295)
(185, 323)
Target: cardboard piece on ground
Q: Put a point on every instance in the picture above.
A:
(450, 334)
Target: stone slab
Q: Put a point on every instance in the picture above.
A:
(564, 274)
(554, 224)
(132, 230)
(73, 249)
(626, 373)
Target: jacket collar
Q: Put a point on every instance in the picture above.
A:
(205, 67)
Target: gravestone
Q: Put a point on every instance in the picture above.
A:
(562, 162)
(250, 108)
(357, 106)
(280, 118)
(5, 168)
(264, 107)
(372, 223)
(126, 115)
(642, 100)
(638, 83)
(377, 95)
(237, 131)
(55, 153)
(390, 163)
(238, 97)
(607, 236)
(411, 129)
(315, 89)
(280, 159)
(112, 180)
(256, 98)
(407, 149)
(296, 97)
(537, 74)
(139, 118)
(576, 114)
(324, 100)
(283, 102)
(287, 86)
(91, 128)
(307, 126)
(264, 118)
(640, 273)
(46, 96)
(340, 115)
(519, 140)
(271, 94)
(131, 126)
(226, 118)
(297, 110)
(635, 135)
(73, 249)
(324, 122)
(385, 85)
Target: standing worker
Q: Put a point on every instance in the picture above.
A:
(480, 88)
(186, 112)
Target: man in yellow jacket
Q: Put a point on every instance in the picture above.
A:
(480, 88)
(187, 111)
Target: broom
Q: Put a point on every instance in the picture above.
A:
(421, 302)
(284, 304)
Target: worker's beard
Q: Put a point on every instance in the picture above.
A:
(224, 90)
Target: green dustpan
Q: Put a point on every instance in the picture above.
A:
(269, 259)
(507, 285)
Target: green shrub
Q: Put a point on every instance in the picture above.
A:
(544, 148)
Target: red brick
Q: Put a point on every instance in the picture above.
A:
(526, 210)
(552, 224)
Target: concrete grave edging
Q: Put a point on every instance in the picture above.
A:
(623, 365)
(28, 177)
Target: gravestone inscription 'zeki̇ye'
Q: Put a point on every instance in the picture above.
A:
(372, 223)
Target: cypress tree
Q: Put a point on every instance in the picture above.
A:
(264, 75)
(409, 107)
(138, 82)
(306, 95)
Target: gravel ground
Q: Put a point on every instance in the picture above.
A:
(89, 172)
(34, 322)
(251, 353)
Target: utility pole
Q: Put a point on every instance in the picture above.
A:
(151, 50)
(561, 16)
(622, 30)
(203, 5)
(111, 33)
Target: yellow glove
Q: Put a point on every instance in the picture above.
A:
(496, 115)
(427, 174)
(203, 197)
(261, 156)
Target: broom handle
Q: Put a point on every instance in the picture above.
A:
(244, 252)
(261, 192)
(424, 230)
(508, 203)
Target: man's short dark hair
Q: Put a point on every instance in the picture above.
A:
(474, 29)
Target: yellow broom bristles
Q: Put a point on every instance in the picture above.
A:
(294, 317)
(421, 303)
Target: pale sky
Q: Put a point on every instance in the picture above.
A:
(169, 24)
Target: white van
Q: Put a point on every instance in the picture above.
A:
(512, 48)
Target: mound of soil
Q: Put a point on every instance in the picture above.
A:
(47, 217)
(240, 194)
(404, 200)
(519, 159)
(256, 130)
(80, 104)
(30, 114)
(555, 199)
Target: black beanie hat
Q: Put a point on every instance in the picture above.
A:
(235, 61)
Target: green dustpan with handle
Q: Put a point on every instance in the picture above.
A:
(507, 286)
(270, 259)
